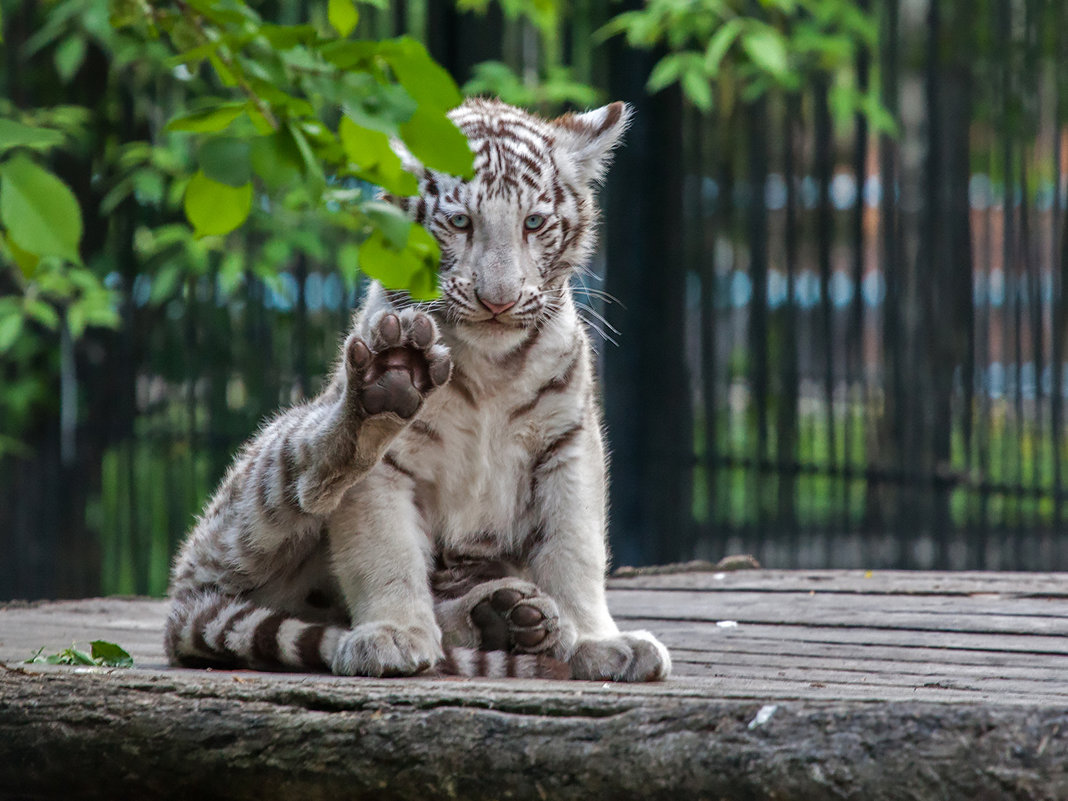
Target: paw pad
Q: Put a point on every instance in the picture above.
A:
(511, 620)
(399, 366)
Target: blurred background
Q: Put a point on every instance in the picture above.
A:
(829, 298)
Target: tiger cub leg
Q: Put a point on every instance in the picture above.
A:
(391, 364)
(380, 559)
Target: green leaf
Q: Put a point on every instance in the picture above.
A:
(413, 268)
(164, 284)
(207, 120)
(215, 208)
(424, 282)
(41, 213)
(226, 75)
(276, 159)
(766, 48)
(15, 134)
(695, 85)
(313, 170)
(299, 58)
(42, 312)
(665, 73)
(27, 262)
(103, 315)
(348, 263)
(231, 272)
(720, 43)
(371, 151)
(420, 75)
(435, 141)
(109, 654)
(343, 16)
(373, 105)
(349, 55)
(385, 264)
(284, 37)
(68, 656)
(391, 221)
(10, 328)
(226, 159)
(70, 54)
(76, 320)
(77, 657)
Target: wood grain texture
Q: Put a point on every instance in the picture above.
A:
(902, 686)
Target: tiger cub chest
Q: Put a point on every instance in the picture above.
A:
(473, 459)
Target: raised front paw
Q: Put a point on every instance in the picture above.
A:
(513, 615)
(630, 656)
(398, 367)
(382, 649)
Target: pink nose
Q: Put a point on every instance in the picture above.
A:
(496, 308)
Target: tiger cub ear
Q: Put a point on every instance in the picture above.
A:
(587, 139)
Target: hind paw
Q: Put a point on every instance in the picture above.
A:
(397, 366)
(513, 615)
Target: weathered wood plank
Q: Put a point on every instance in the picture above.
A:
(896, 687)
(868, 667)
(1055, 689)
(830, 610)
(682, 633)
(879, 604)
(893, 582)
(1025, 665)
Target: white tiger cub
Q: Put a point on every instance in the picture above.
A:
(441, 504)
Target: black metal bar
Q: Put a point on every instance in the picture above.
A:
(856, 381)
(1059, 264)
(938, 480)
(757, 229)
(787, 432)
(823, 135)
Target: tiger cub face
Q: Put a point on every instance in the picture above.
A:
(511, 235)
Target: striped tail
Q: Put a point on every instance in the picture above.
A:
(471, 663)
(222, 631)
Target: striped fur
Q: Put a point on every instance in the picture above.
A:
(224, 632)
(470, 513)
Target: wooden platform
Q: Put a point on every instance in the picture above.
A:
(788, 685)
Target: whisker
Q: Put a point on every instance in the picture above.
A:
(607, 297)
(589, 309)
(599, 331)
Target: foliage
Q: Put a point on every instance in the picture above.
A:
(101, 654)
(556, 89)
(546, 85)
(545, 15)
(278, 136)
(41, 231)
(308, 114)
(744, 50)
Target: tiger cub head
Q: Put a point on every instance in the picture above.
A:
(512, 235)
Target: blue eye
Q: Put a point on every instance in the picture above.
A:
(461, 221)
(533, 222)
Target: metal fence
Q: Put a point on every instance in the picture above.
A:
(835, 347)
(862, 361)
